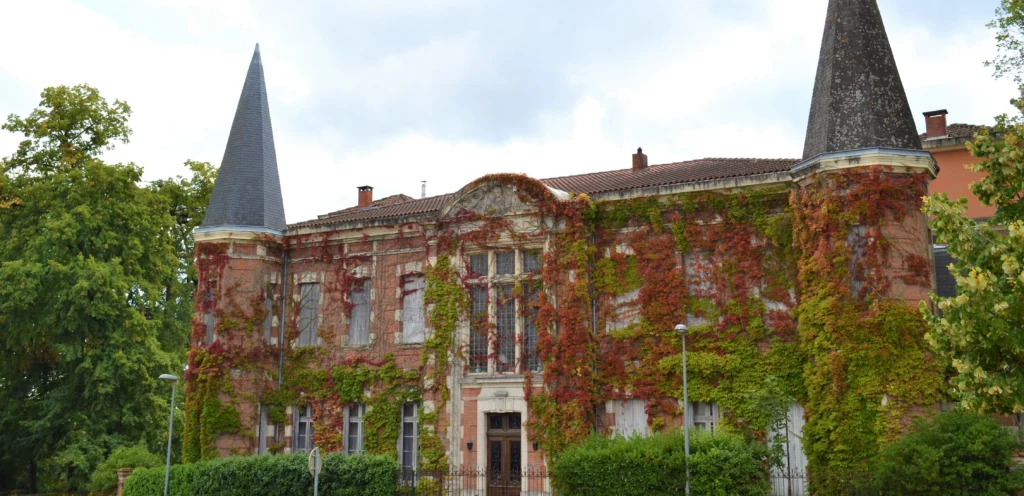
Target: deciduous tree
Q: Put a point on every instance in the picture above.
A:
(94, 293)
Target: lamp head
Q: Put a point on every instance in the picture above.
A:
(168, 377)
(681, 329)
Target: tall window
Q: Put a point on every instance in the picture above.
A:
(268, 321)
(359, 322)
(354, 429)
(208, 317)
(261, 431)
(408, 449)
(303, 428)
(505, 318)
(493, 277)
(478, 329)
(532, 359)
(412, 309)
(309, 313)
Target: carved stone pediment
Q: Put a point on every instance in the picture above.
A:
(491, 198)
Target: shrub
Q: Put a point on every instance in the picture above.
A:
(720, 464)
(104, 479)
(281, 475)
(952, 453)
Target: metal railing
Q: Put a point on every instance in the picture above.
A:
(473, 481)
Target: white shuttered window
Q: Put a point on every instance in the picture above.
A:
(412, 309)
(631, 418)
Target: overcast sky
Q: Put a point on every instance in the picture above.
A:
(391, 92)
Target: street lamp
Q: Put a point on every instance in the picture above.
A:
(681, 329)
(170, 430)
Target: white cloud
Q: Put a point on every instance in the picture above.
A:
(694, 92)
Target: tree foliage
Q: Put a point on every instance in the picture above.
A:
(1009, 26)
(93, 297)
(979, 330)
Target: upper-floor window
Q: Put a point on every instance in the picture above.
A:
(268, 320)
(303, 428)
(500, 318)
(354, 429)
(309, 313)
(208, 316)
(412, 308)
(359, 320)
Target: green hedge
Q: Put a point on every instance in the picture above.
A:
(720, 464)
(952, 454)
(281, 475)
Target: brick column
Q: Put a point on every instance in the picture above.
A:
(122, 474)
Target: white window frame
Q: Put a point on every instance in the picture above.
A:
(491, 281)
(303, 415)
(414, 421)
(358, 421)
(706, 416)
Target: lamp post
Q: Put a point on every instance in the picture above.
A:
(681, 329)
(170, 430)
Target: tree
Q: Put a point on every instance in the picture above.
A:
(1009, 22)
(980, 329)
(92, 291)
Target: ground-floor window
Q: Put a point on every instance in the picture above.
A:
(408, 448)
(303, 428)
(354, 429)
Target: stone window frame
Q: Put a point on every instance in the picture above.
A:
(499, 279)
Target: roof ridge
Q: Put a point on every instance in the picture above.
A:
(692, 161)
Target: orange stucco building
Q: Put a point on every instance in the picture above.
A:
(947, 143)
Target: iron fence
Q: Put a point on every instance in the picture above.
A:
(792, 482)
(474, 481)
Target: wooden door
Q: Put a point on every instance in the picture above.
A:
(504, 454)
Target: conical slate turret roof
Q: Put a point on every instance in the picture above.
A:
(247, 194)
(859, 101)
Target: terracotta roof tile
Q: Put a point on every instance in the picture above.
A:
(373, 212)
(596, 182)
(676, 173)
(958, 131)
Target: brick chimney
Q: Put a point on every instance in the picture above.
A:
(639, 160)
(935, 124)
(365, 196)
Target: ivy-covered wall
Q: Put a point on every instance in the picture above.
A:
(805, 288)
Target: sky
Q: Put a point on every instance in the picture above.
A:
(389, 93)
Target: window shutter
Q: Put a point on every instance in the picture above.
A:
(412, 309)
(309, 313)
(359, 323)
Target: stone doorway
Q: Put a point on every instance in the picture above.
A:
(504, 454)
